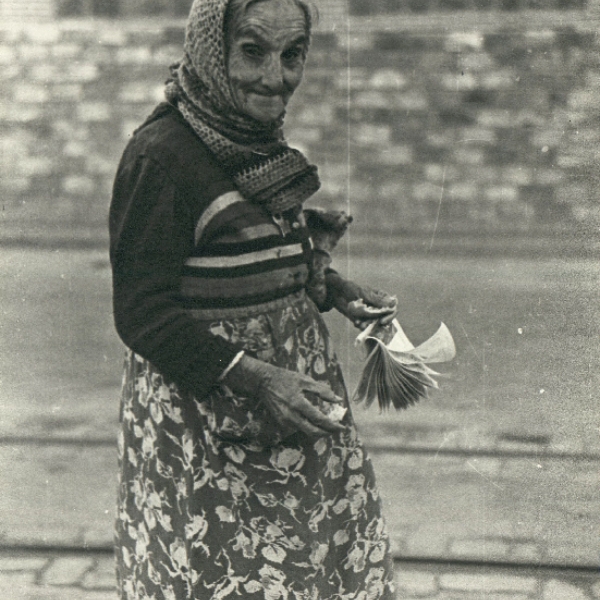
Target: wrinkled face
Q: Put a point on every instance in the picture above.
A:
(266, 54)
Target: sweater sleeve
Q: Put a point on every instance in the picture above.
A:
(150, 239)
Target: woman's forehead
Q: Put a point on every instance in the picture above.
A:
(270, 20)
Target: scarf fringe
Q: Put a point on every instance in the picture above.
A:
(264, 169)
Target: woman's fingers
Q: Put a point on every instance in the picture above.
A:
(299, 412)
(320, 389)
(287, 396)
(359, 311)
(305, 415)
(316, 419)
(387, 319)
(378, 298)
(375, 306)
(288, 417)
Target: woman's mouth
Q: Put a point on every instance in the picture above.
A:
(265, 106)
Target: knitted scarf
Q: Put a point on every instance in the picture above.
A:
(263, 167)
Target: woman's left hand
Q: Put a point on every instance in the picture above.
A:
(362, 304)
(373, 305)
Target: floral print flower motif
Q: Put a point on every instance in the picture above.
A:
(273, 583)
(195, 530)
(335, 467)
(208, 510)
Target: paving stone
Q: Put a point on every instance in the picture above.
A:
(584, 100)
(501, 80)
(11, 34)
(33, 535)
(102, 577)
(549, 177)
(560, 590)
(596, 590)
(33, 53)
(439, 173)
(573, 553)
(7, 55)
(137, 92)
(129, 55)
(488, 583)
(372, 99)
(464, 191)
(112, 37)
(82, 72)
(396, 545)
(459, 82)
(504, 193)
(66, 51)
(417, 583)
(22, 563)
(35, 592)
(479, 548)
(447, 595)
(495, 118)
(67, 93)
(426, 191)
(34, 166)
(388, 79)
(517, 175)
(396, 155)
(93, 112)
(67, 571)
(525, 552)
(78, 185)
(31, 93)
(461, 41)
(15, 184)
(372, 134)
(43, 33)
(453, 596)
(508, 596)
(468, 156)
(18, 579)
(425, 542)
(95, 536)
(411, 101)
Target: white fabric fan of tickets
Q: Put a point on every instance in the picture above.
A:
(395, 372)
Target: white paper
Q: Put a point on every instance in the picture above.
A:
(395, 372)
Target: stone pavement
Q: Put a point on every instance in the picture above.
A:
(462, 525)
(475, 512)
(440, 503)
(89, 576)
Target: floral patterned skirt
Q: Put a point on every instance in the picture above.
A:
(215, 503)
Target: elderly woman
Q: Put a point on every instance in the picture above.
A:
(241, 474)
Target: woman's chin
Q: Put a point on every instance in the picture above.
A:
(266, 109)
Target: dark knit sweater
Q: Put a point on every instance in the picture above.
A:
(182, 240)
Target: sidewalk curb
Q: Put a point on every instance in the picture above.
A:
(92, 577)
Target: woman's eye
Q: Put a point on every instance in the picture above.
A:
(253, 51)
(293, 54)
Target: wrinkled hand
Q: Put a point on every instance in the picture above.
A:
(285, 395)
(362, 304)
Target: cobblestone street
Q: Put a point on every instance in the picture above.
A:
(475, 512)
(47, 576)
(462, 136)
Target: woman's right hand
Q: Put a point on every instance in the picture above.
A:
(285, 394)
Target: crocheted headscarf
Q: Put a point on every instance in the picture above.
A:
(263, 167)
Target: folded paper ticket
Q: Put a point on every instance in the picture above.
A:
(395, 372)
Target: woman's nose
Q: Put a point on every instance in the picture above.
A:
(272, 73)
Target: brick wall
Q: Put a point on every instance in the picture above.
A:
(493, 129)
(28, 10)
